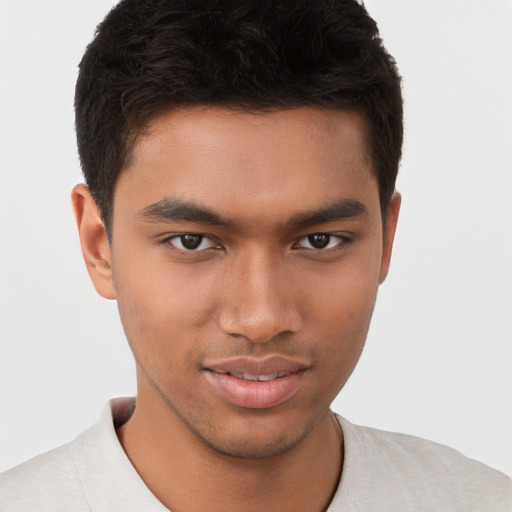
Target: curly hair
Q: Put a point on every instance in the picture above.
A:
(149, 56)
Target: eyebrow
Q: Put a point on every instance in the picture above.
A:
(171, 209)
(343, 209)
(177, 210)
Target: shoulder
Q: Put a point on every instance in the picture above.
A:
(47, 482)
(420, 471)
(91, 472)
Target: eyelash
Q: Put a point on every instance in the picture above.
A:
(170, 239)
(342, 240)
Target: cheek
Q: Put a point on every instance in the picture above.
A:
(163, 310)
(345, 294)
(158, 290)
(345, 325)
(340, 317)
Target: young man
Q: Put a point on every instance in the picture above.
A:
(240, 161)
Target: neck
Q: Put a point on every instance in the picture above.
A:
(187, 475)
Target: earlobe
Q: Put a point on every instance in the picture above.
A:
(93, 240)
(388, 235)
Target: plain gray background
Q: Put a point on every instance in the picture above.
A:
(438, 359)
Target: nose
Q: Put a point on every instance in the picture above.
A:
(258, 300)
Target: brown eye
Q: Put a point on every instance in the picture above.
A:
(191, 242)
(319, 240)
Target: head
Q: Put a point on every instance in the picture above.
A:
(149, 57)
(241, 159)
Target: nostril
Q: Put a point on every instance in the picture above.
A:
(259, 326)
(257, 303)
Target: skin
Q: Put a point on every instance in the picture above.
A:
(255, 287)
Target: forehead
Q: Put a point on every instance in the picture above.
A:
(258, 162)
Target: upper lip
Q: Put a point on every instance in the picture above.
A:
(258, 366)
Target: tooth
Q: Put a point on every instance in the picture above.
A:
(253, 377)
(268, 377)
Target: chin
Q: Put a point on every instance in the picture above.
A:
(255, 437)
(252, 449)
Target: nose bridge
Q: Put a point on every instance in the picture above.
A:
(258, 303)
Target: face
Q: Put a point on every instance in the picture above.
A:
(246, 256)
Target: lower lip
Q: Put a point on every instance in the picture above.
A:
(254, 394)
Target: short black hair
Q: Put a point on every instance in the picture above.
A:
(149, 56)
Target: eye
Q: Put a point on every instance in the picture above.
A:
(191, 242)
(320, 241)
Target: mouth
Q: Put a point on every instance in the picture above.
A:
(256, 384)
(256, 377)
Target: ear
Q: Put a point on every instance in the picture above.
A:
(94, 241)
(388, 235)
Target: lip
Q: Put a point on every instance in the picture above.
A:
(257, 366)
(225, 377)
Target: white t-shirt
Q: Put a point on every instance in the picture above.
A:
(382, 472)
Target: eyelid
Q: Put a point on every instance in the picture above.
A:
(168, 240)
(343, 239)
